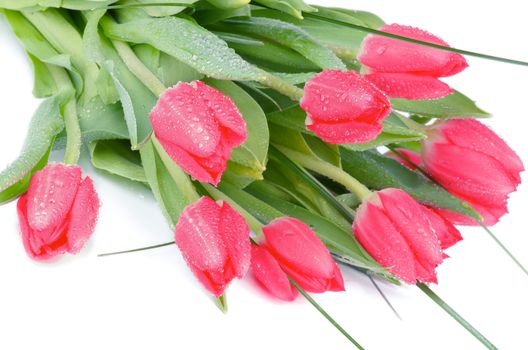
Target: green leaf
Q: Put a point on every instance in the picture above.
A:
(292, 118)
(290, 36)
(162, 11)
(293, 8)
(45, 125)
(116, 157)
(248, 161)
(136, 99)
(100, 121)
(43, 4)
(453, 105)
(190, 44)
(368, 18)
(168, 193)
(342, 40)
(378, 172)
(228, 4)
(213, 15)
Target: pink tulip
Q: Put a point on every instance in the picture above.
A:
(396, 231)
(58, 213)
(407, 70)
(302, 255)
(198, 127)
(447, 233)
(214, 241)
(474, 164)
(343, 107)
(270, 275)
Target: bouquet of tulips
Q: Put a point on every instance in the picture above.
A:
(276, 136)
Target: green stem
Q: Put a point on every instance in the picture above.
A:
(504, 248)
(137, 249)
(137, 68)
(325, 314)
(71, 121)
(419, 42)
(282, 86)
(424, 288)
(387, 301)
(328, 170)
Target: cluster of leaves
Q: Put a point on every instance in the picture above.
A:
(100, 65)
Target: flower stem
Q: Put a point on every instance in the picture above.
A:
(503, 248)
(137, 249)
(282, 86)
(424, 288)
(419, 42)
(138, 68)
(325, 314)
(328, 170)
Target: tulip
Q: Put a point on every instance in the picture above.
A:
(214, 241)
(302, 255)
(396, 231)
(58, 213)
(198, 127)
(474, 164)
(343, 107)
(447, 233)
(407, 70)
(270, 275)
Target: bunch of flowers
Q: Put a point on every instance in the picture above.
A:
(263, 130)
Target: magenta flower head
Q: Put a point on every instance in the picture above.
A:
(214, 241)
(302, 256)
(198, 127)
(396, 231)
(58, 213)
(270, 274)
(343, 107)
(407, 70)
(474, 164)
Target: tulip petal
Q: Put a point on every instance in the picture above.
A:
(235, 232)
(411, 220)
(463, 171)
(334, 95)
(182, 117)
(409, 86)
(346, 132)
(447, 233)
(384, 54)
(198, 237)
(270, 275)
(473, 135)
(83, 216)
(50, 196)
(377, 234)
(295, 245)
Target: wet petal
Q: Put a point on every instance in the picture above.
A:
(83, 216)
(409, 86)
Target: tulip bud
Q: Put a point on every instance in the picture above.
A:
(198, 127)
(58, 213)
(343, 107)
(302, 255)
(396, 231)
(270, 275)
(474, 164)
(403, 69)
(214, 241)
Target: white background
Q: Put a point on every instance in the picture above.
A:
(151, 300)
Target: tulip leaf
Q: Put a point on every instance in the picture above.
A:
(342, 40)
(248, 161)
(293, 8)
(190, 44)
(100, 121)
(164, 10)
(378, 172)
(290, 36)
(43, 4)
(116, 157)
(45, 125)
(166, 190)
(228, 4)
(455, 105)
